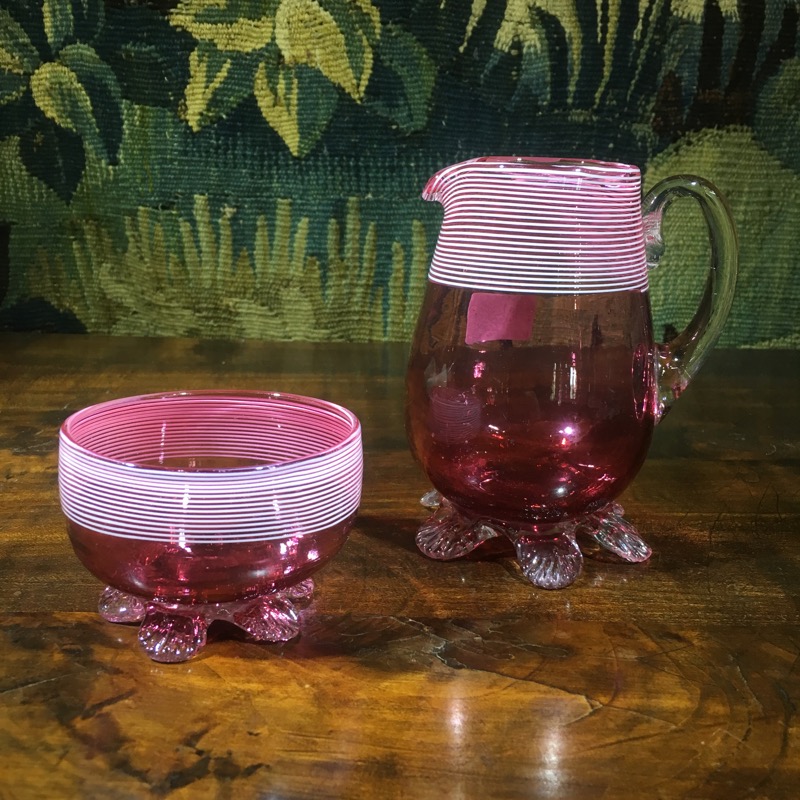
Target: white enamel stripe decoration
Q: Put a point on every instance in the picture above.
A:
(537, 225)
(210, 467)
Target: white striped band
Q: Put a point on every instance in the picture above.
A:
(537, 225)
(303, 467)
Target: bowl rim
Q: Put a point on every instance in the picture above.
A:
(66, 435)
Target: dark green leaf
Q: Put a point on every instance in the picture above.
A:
(361, 16)
(149, 57)
(297, 102)
(18, 56)
(29, 16)
(89, 16)
(317, 100)
(12, 87)
(403, 80)
(18, 60)
(18, 115)
(101, 86)
(218, 82)
(54, 156)
(361, 31)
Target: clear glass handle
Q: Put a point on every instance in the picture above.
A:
(679, 359)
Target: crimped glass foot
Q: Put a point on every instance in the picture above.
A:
(117, 606)
(549, 561)
(549, 555)
(614, 533)
(170, 635)
(174, 632)
(449, 534)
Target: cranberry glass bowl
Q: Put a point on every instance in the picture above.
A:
(205, 505)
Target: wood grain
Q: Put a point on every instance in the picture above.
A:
(415, 679)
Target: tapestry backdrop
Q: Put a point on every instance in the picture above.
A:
(253, 168)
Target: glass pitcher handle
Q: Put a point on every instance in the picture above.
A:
(679, 359)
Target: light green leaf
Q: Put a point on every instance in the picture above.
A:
(59, 23)
(297, 102)
(218, 82)
(61, 97)
(237, 26)
(329, 42)
(17, 55)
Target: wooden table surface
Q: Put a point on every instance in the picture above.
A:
(679, 678)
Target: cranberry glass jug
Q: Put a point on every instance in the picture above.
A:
(534, 381)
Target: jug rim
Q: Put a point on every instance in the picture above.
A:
(551, 162)
(539, 225)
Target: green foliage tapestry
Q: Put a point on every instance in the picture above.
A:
(253, 168)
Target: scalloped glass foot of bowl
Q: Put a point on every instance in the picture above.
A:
(174, 632)
(550, 555)
(195, 507)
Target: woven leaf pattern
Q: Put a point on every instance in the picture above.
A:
(58, 22)
(228, 25)
(253, 167)
(281, 52)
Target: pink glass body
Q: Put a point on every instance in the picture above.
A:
(205, 573)
(547, 421)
